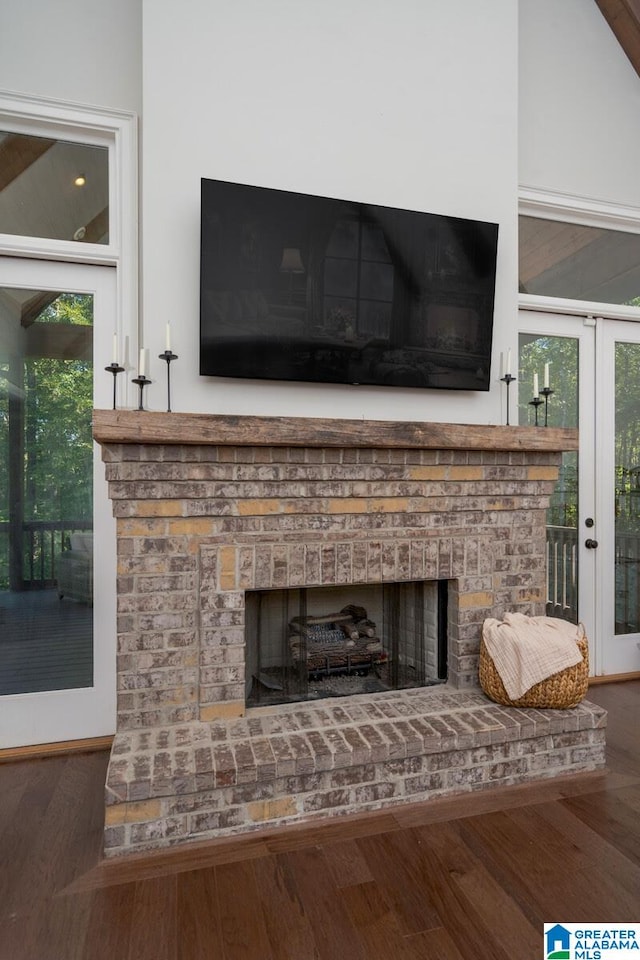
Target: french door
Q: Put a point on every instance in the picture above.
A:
(594, 519)
(57, 537)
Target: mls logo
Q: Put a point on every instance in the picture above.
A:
(557, 942)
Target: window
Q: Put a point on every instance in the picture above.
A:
(577, 262)
(53, 189)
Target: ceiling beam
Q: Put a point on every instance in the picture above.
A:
(17, 153)
(623, 16)
(97, 228)
(32, 308)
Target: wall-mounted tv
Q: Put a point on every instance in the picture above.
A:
(308, 288)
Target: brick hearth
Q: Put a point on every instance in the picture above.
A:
(210, 507)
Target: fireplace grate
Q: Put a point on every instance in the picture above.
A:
(305, 644)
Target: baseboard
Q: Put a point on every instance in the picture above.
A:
(614, 678)
(55, 749)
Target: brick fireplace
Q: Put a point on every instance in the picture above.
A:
(212, 508)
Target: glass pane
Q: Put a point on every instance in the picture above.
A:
(344, 240)
(53, 189)
(46, 498)
(627, 489)
(578, 263)
(374, 245)
(560, 410)
(340, 277)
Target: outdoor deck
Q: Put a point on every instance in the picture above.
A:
(45, 643)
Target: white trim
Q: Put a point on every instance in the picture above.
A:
(587, 211)
(578, 308)
(43, 248)
(62, 115)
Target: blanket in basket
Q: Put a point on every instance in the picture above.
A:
(527, 650)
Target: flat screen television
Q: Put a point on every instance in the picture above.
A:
(308, 288)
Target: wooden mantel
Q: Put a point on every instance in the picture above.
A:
(142, 426)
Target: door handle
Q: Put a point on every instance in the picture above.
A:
(591, 544)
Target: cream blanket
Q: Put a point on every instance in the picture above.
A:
(526, 650)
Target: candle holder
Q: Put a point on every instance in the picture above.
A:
(546, 393)
(142, 381)
(535, 403)
(168, 356)
(508, 379)
(115, 369)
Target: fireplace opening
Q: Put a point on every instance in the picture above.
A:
(317, 642)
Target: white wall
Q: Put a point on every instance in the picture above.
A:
(412, 103)
(409, 104)
(85, 51)
(579, 104)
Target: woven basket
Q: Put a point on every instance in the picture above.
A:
(560, 691)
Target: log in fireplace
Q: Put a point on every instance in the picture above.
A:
(310, 644)
(223, 520)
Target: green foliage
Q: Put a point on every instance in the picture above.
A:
(58, 453)
(58, 404)
(561, 353)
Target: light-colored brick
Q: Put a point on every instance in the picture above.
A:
(272, 809)
(224, 710)
(135, 812)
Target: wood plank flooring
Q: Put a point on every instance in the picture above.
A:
(468, 877)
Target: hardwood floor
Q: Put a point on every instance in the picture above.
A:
(469, 877)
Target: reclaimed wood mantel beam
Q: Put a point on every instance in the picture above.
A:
(135, 426)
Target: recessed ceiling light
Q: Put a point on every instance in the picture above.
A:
(80, 180)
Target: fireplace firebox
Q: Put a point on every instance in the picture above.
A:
(310, 644)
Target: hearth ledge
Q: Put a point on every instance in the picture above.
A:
(202, 781)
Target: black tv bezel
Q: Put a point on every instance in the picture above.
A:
(277, 357)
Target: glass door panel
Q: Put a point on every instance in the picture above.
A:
(46, 511)
(626, 479)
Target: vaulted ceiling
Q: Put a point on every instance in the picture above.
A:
(623, 16)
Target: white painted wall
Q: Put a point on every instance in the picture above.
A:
(85, 51)
(412, 103)
(579, 104)
(409, 104)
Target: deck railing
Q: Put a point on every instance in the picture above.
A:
(562, 573)
(42, 543)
